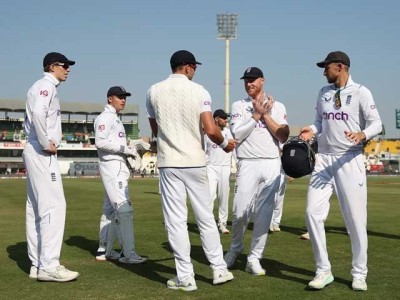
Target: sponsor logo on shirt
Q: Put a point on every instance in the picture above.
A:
(335, 116)
(235, 116)
(207, 102)
(121, 134)
(101, 127)
(44, 93)
(214, 146)
(327, 99)
(249, 109)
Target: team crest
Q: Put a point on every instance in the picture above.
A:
(348, 99)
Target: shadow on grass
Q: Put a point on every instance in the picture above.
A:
(150, 270)
(19, 254)
(338, 230)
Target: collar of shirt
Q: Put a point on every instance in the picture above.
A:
(349, 83)
(178, 76)
(50, 77)
(110, 108)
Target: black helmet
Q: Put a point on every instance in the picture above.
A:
(298, 159)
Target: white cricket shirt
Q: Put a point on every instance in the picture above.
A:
(357, 113)
(43, 115)
(255, 140)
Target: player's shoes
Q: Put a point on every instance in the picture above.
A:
(274, 228)
(134, 258)
(254, 267)
(230, 258)
(222, 228)
(359, 284)
(114, 255)
(221, 276)
(305, 236)
(58, 274)
(33, 272)
(187, 285)
(321, 280)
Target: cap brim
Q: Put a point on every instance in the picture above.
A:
(322, 63)
(198, 63)
(123, 94)
(250, 77)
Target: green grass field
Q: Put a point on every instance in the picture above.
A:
(288, 259)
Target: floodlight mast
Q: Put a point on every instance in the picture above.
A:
(227, 30)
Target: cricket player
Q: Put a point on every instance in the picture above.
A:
(113, 150)
(45, 205)
(179, 110)
(346, 115)
(259, 124)
(219, 169)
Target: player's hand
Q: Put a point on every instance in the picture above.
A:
(231, 145)
(306, 134)
(130, 151)
(262, 106)
(52, 148)
(355, 137)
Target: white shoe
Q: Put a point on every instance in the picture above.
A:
(59, 274)
(186, 285)
(114, 255)
(230, 258)
(132, 259)
(321, 280)
(222, 228)
(254, 267)
(33, 272)
(359, 284)
(221, 276)
(305, 236)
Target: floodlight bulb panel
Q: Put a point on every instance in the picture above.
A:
(227, 26)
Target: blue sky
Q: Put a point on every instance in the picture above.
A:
(129, 43)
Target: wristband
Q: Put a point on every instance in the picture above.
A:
(224, 143)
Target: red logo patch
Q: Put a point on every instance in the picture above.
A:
(101, 127)
(44, 93)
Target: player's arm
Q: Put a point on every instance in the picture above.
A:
(279, 127)
(308, 132)
(210, 128)
(151, 114)
(240, 128)
(373, 121)
(40, 107)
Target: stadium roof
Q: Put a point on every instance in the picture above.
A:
(74, 108)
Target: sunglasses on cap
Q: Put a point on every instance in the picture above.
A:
(65, 66)
(338, 102)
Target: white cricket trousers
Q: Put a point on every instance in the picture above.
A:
(344, 174)
(115, 176)
(176, 184)
(280, 196)
(45, 207)
(257, 182)
(218, 179)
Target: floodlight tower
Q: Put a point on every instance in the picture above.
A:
(227, 30)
